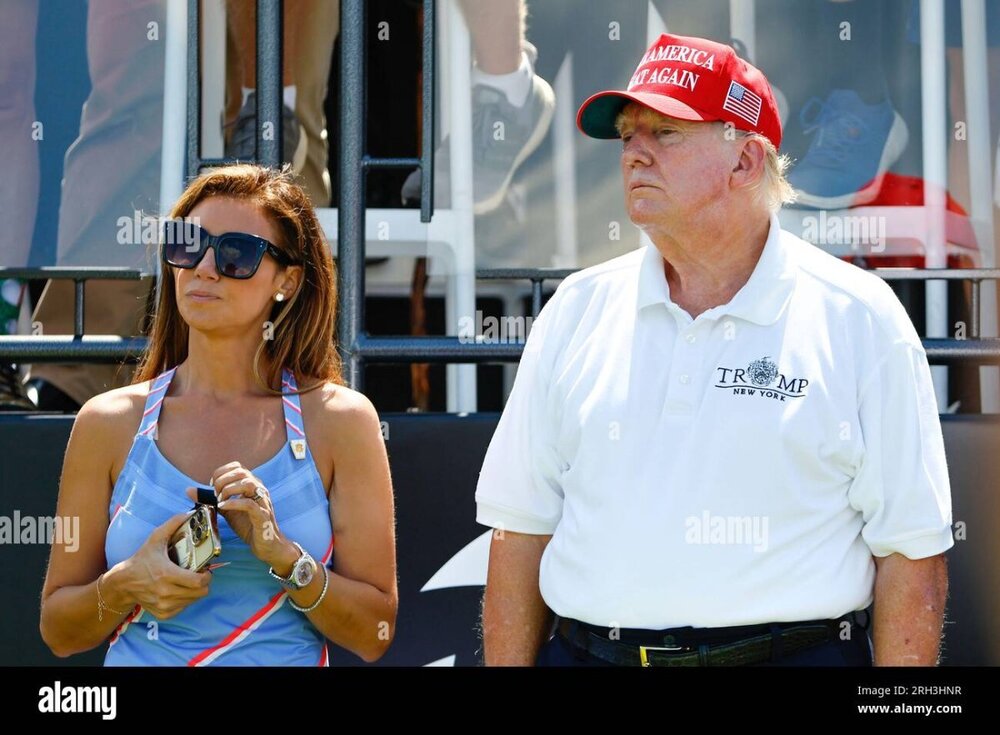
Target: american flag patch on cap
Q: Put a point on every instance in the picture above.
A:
(742, 102)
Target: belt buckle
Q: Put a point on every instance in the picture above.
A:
(643, 649)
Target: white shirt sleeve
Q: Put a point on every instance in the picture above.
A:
(902, 488)
(519, 487)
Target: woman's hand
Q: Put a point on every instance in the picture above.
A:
(246, 505)
(155, 582)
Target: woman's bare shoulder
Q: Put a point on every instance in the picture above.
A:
(103, 430)
(116, 405)
(340, 410)
(113, 414)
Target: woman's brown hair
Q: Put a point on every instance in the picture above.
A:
(302, 328)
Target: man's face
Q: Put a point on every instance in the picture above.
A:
(673, 170)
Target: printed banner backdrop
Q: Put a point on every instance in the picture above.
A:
(442, 553)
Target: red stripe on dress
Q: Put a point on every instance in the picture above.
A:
(136, 612)
(329, 551)
(240, 631)
(297, 429)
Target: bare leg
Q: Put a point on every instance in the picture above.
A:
(516, 103)
(497, 30)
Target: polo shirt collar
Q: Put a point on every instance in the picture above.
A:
(761, 299)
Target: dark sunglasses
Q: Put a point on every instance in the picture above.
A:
(237, 254)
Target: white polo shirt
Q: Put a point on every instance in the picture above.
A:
(739, 468)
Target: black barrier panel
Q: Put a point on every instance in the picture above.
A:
(442, 552)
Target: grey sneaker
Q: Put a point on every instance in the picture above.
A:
(243, 141)
(503, 136)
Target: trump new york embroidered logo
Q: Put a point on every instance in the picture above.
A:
(762, 379)
(742, 102)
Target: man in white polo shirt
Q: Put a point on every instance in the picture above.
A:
(721, 450)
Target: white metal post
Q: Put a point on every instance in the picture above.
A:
(934, 111)
(172, 154)
(461, 279)
(564, 139)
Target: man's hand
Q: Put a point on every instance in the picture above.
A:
(910, 597)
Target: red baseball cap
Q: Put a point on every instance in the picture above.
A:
(690, 79)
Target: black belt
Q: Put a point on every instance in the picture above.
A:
(671, 649)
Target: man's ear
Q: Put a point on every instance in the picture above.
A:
(750, 162)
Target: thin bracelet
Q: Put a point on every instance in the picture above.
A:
(326, 583)
(101, 606)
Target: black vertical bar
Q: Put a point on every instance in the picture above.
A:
(351, 209)
(429, 118)
(193, 90)
(78, 307)
(269, 78)
(536, 296)
(974, 309)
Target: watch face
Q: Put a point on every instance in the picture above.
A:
(303, 574)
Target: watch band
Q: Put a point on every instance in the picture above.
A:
(289, 581)
(326, 583)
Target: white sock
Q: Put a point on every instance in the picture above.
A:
(287, 95)
(515, 85)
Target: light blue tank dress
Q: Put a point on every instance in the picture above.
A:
(245, 620)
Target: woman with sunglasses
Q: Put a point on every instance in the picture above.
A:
(238, 393)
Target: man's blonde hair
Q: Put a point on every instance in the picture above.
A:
(773, 185)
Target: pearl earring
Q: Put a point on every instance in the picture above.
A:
(279, 296)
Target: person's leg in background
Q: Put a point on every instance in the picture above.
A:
(241, 20)
(497, 31)
(112, 171)
(311, 60)
(505, 89)
(511, 105)
(18, 173)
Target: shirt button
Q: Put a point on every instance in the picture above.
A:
(690, 338)
(685, 379)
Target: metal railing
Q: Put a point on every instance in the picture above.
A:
(357, 346)
(78, 347)
(83, 348)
